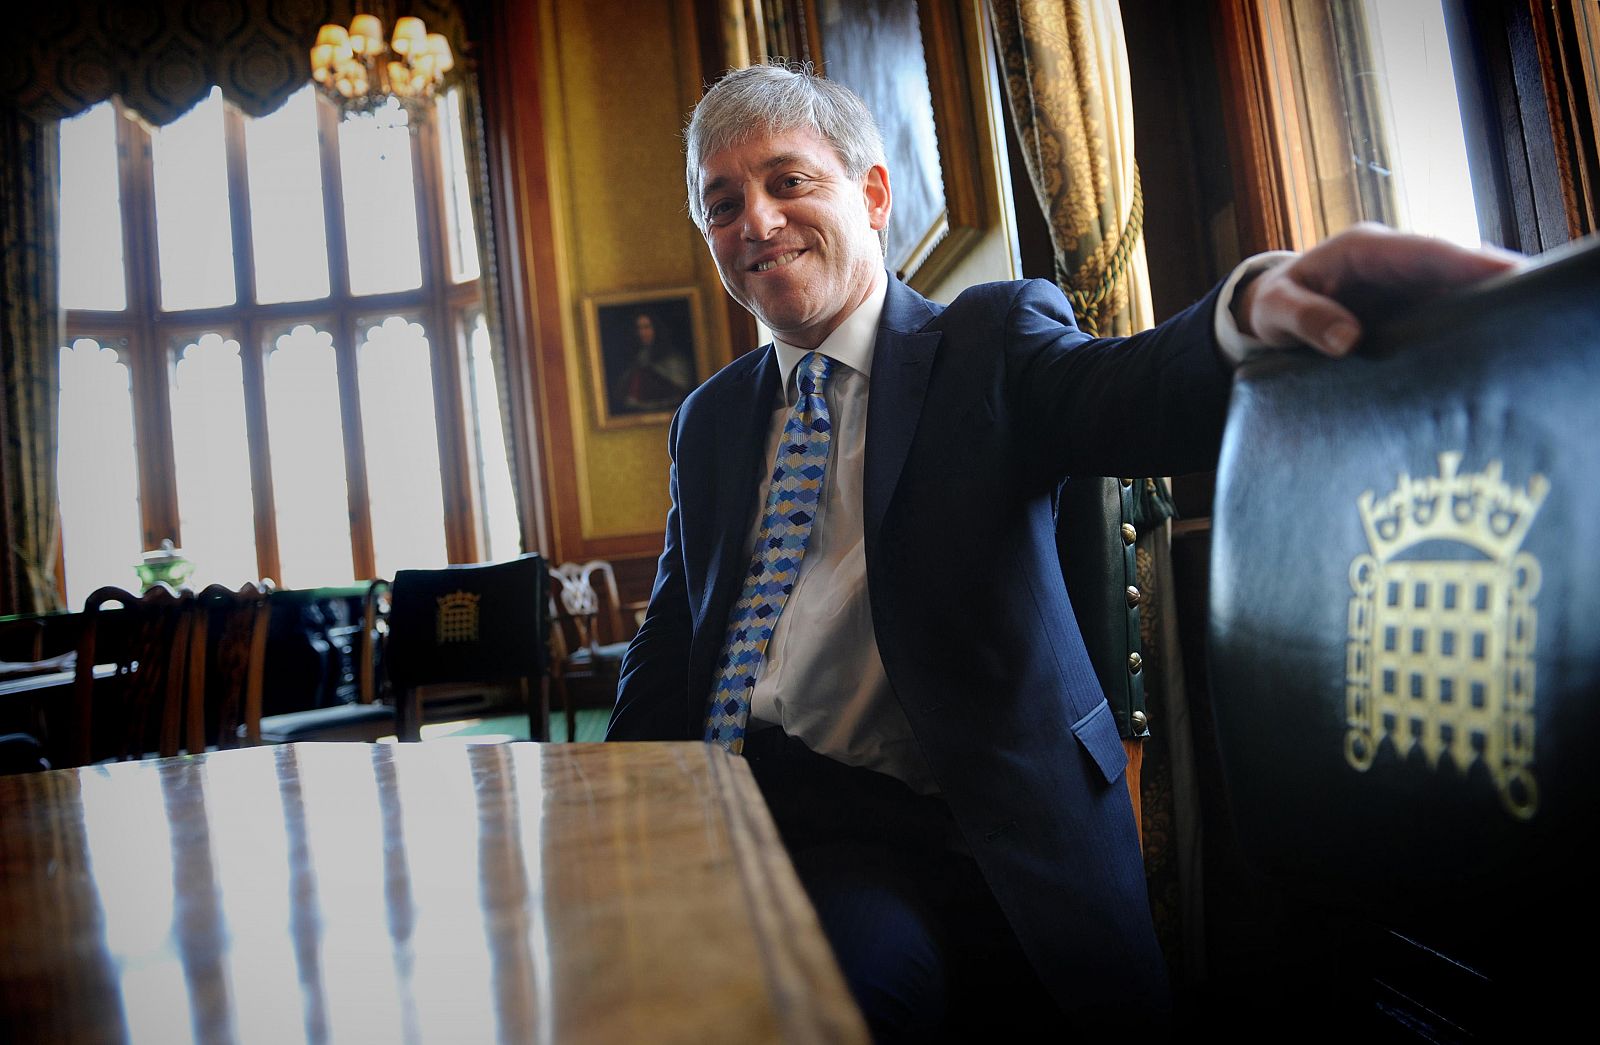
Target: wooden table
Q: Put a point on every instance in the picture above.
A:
(408, 892)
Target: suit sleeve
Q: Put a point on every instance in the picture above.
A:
(652, 693)
(1153, 403)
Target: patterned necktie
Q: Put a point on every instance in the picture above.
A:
(785, 530)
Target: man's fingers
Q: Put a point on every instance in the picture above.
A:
(1433, 265)
(1366, 271)
(1287, 313)
(1401, 264)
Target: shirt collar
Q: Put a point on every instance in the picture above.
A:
(851, 343)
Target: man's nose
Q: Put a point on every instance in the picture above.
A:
(762, 217)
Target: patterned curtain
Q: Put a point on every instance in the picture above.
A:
(30, 343)
(1066, 78)
(1066, 74)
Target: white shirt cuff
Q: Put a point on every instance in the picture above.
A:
(1236, 345)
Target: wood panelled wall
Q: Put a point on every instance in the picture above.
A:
(590, 104)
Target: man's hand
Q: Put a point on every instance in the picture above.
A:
(1322, 297)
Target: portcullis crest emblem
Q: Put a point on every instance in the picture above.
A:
(1443, 627)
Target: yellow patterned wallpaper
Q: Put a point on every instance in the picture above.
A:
(620, 75)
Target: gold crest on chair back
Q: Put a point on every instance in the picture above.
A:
(1405, 658)
(464, 638)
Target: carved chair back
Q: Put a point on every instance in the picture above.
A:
(157, 698)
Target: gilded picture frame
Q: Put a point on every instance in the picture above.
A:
(920, 66)
(646, 351)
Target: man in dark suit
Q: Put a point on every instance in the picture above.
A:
(947, 779)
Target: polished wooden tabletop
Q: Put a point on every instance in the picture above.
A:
(408, 892)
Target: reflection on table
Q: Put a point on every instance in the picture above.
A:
(433, 892)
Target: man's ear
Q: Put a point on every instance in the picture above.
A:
(876, 190)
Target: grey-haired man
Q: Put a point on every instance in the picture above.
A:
(948, 784)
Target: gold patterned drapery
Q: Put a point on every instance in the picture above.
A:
(1066, 77)
(30, 338)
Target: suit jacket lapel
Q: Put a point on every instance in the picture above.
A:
(744, 416)
(902, 364)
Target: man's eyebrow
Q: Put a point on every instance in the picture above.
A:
(721, 181)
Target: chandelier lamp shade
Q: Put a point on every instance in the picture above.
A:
(361, 73)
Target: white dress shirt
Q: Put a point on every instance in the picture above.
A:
(822, 679)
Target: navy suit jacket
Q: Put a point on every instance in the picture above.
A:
(976, 412)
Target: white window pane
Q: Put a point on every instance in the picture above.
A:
(380, 205)
(91, 212)
(193, 231)
(212, 450)
(286, 219)
(1427, 144)
(402, 447)
(458, 192)
(307, 443)
(496, 492)
(97, 473)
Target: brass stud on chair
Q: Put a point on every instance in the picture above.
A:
(1140, 721)
(1126, 483)
(1129, 534)
(1133, 596)
(1135, 662)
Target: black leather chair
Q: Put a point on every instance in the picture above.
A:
(368, 717)
(1405, 662)
(464, 640)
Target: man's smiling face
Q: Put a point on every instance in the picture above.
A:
(794, 236)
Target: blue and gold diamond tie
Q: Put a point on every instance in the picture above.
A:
(792, 499)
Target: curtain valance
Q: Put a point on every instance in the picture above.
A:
(163, 56)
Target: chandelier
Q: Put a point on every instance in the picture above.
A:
(357, 70)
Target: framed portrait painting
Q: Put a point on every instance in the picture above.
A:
(644, 353)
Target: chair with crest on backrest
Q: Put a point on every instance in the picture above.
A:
(158, 700)
(588, 637)
(463, 640)
(1405, 664)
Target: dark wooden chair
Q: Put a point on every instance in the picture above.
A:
(369, 716)
(160, 698)
(22, 656)
(466, 640)
(21, 644)
(588, 636)
(139, 708)
(230, 631)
